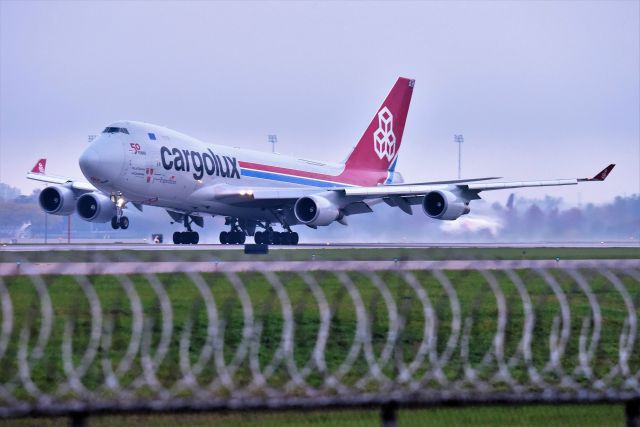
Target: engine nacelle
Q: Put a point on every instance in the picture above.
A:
(444, 205)
(96, 207)
(57, 200)
(315, 210)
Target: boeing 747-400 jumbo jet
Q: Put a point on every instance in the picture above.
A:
(135, 163)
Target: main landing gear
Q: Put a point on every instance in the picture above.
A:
(188, 237)
(236, 236)
(270, 237)
(240, 229)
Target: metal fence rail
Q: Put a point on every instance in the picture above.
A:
(77, 345)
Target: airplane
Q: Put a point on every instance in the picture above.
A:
(138, 164)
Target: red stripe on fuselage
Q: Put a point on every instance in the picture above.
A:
(352, 177)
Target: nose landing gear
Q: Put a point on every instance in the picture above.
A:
(119, 221)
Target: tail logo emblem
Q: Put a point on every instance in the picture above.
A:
(40, 167)
(384, 140)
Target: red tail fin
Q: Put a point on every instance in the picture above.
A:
(40, 166)
(378, 148)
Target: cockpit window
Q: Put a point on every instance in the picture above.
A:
(115, 130)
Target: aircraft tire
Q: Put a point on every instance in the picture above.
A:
(257, 237)
(195, 237)
(224, 237)
(177, 238)
(114, 223)
(285, 238)
(294, 238)
(277, 238)
(241, 238)
(124, 222)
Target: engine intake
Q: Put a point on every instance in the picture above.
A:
(57, 200)
(96, 207)
(315, 211)
(444, 205)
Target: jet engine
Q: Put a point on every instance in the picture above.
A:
(57, 200)
(315, 210)
(96, 207)
(444, 205)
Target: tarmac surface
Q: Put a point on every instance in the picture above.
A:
(117, 246)
(116, 268)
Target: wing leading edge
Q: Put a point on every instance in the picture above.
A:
(400, 193)
(38, 173)
(469, 190)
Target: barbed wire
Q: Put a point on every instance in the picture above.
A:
(292, 339)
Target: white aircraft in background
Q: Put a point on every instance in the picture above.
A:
(144, 164)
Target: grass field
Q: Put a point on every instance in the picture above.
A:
(525, 416)
(330, 254)
(476, 300)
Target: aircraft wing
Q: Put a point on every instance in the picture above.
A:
(400, 195)
(468, 190)
(38, 174)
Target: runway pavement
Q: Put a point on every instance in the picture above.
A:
(115, 268)
(208, 247)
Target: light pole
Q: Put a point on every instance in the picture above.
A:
(459, 139)
(273, 139)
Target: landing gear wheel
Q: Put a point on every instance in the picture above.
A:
(177, 238)
(294, 238)
(241, 238)
(195, 238)
(124, 222)
(224, 237)
(277, 238)
(258, 237)
(115, 224)
(285, 238)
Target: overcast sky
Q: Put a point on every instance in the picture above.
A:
(539, 89)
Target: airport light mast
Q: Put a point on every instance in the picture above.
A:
(273, 139)
(459, 139)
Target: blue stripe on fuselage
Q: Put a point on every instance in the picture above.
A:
(392, 168)
(291, 179)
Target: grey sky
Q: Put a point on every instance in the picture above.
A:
(539, 89)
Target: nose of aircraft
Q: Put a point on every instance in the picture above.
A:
(102, 160)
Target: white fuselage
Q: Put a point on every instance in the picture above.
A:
(153, 165)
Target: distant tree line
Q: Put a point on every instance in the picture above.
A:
(520, 220)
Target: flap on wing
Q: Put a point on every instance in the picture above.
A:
(452, 181)
(388, 190)
(357, 208)
(517, 184)
(235, 194)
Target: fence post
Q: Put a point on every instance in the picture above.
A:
(632, 413)
(389, 415)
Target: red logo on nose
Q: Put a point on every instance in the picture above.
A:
(135, 147)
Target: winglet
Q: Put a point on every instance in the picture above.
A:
(39, 166)
(602, 175)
